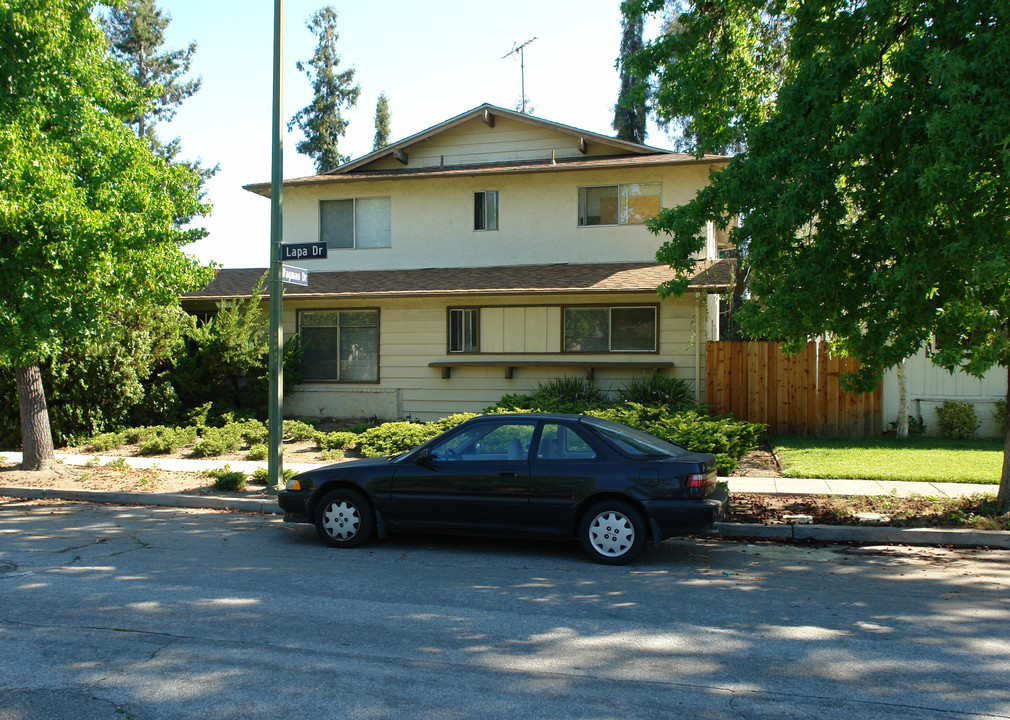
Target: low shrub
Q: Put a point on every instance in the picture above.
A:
(334, 454)
(726, 438)
(339, 440)
(218, 441)
(957, 420)
(261, 475)
(675, 393)
(257, 452)
(560, 395)
(393, 438)
(107, 441)
(227, 479)
(253, 432)
(299, 430)
(160, 439)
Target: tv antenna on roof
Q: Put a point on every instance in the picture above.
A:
(522, 69)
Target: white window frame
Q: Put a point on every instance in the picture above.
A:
(623, 193)
(484, 219)
(354, 223)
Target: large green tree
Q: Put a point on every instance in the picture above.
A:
(381, 122)
(321, 120)
(714, 70)
(136, 32)
(89, 215)
(631, 111)
(872, 201)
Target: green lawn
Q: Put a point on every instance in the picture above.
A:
(918, 459)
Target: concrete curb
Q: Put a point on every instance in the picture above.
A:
(956, 537)
(199, 502)
(823, 533)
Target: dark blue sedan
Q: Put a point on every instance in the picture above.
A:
(540, 475)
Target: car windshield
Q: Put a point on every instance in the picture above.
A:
(634, 442)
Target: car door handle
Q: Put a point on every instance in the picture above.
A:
(508, 473)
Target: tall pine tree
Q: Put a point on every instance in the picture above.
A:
(630, 112)
(381, 122)
(320, 120)
(136, 33)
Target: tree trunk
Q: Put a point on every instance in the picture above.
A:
(37, 451)
(1004, 483)
(902, 426)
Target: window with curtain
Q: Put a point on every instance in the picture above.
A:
(340, 345)
(610, 329)
(360, 223)
(626, 204)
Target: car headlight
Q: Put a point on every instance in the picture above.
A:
(293, 484)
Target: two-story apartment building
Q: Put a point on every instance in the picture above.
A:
(480, 257)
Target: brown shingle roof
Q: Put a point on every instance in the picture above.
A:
(524, 166)
(501, 280)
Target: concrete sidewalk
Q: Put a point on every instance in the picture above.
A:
(765, 485)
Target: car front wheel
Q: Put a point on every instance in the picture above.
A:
(612, 532)
(344, 519)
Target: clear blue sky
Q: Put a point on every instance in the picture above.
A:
(434, 60)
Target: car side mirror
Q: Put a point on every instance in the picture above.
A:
(424, 458)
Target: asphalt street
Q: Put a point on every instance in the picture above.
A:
(146, 612)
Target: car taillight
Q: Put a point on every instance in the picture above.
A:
(698, 480)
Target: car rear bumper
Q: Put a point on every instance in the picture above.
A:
(686, 517)
(295, 504)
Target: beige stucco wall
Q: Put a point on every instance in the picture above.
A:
(432, 219)
(412, 333)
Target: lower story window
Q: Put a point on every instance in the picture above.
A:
(610, 329)
(340, 345)
(463, 330)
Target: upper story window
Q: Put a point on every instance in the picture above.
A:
(485, 210)
(625, 204)
(610, 329)
(355, 223)
(463, 330)
(340, 345)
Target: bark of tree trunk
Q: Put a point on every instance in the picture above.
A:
(37, 452)
(1004, 483)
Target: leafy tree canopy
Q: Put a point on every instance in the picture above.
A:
(320, 120)
(136, 32)
(631, 111)
(89, 216)
(872, 201)
(714, 70)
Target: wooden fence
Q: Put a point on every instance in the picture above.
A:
(791, 394)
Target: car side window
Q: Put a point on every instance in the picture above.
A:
(487, 441)
(560, 442)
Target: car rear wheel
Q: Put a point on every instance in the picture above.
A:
(612, 532)
(344, 519)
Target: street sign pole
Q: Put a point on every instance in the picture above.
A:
(275, 471)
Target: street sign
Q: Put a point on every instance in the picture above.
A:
(295, 275)
(303, 251)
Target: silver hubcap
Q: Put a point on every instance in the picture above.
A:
(341, 520)
(611, 534)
